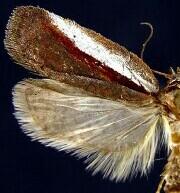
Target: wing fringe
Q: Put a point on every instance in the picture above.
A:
(117, 165)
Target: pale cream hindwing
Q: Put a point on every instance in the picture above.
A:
(117, 139)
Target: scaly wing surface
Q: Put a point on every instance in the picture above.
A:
(51, 45)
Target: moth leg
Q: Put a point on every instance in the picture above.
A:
(160, 186)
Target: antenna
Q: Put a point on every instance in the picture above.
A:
(148, 39)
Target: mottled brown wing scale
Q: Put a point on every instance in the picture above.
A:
(41, 47)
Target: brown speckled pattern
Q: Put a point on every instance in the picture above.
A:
(44, 46)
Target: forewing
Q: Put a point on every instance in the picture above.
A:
(46, 43)
(117, 138)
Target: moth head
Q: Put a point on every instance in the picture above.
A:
(174, 80)
(171, 94)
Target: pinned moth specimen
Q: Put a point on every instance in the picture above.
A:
(95, 100)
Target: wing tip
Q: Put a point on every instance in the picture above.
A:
(15, 41)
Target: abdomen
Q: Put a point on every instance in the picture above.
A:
(172, 169)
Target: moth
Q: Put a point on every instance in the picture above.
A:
(95, 99)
